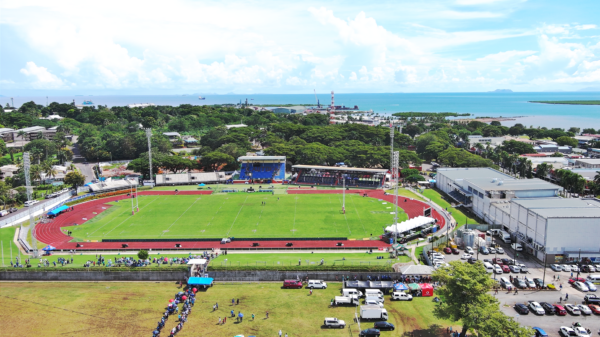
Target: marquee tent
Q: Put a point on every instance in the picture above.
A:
(400, 287)
(201, 281)
(58, 210)
(410, 224)
(426, 289)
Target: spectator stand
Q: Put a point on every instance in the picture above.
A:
(335, 176)
(267, 168)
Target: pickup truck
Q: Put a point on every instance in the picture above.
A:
(331, 322)
(591, 299)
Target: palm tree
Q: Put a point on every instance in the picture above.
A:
(12, 152)
(51, 172)
(597, 178)
(72, 167)
(36, 172)
(22, 134)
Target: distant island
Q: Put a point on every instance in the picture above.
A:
(501, 90)
(568, 102)
(429, 114)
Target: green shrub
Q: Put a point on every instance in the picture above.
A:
(142, 254)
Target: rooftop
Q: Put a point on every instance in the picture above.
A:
(2, 130)
(260, 158)
(236, 126)
(589, 161)
(32, 129)
(473, 173)
(513, 185)
(336, 168)
(562, 207)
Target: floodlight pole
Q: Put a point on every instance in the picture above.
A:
(28, 186)
(395, 163)
(149, 136)
(343, 194)
(137, 204)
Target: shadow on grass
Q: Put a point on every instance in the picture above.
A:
(434, 330)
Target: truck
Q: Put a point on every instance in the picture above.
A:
(342, 300)
(505, 236)
(373, 312)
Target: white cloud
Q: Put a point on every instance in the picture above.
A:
(43, 79)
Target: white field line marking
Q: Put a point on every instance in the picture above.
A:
(333, 211)
(359, 219)
(128, 217)
(236, 217)
(180, 216)
(347, 224)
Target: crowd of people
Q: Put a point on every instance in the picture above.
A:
(188, 299)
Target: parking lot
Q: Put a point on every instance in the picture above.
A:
(551, 324)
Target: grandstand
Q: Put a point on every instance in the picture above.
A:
(262, 168)
(334, 176)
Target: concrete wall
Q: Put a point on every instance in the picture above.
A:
(93, 276)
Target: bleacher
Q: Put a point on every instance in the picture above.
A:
(262, 168)
(456, 195)
(338, 176)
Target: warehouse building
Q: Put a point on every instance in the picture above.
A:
(554, 229)
(477, 188)
(588, 163)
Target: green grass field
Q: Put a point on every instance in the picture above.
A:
(459, 216)
(133, 309)
(240, 215)
(8, 247)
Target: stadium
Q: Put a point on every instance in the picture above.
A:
(252, 217)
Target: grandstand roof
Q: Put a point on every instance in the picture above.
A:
(336, 168)
(260, 158)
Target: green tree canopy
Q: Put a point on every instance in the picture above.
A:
(568, 141)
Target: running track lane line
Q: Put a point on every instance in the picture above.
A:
(163, 233)
(236, 217)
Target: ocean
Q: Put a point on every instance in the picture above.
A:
(478, 104)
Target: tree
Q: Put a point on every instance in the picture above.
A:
(568, 141)
(142, 254)
(542, 170)
(212, 161)
(575, 130)
(513, 146)
(74, 179)
(412, 130)
(589, 131)
(465, 296)
(414, 178)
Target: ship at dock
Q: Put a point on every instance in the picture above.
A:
(201, 98)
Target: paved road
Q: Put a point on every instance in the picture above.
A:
(85, 169)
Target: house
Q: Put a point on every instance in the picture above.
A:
(173, 136)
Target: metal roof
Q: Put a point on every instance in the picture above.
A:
(472, 173)
(513, 185)
(32, 129)
(588, 161)
(336, 168)
(260, 158)
(562, 207)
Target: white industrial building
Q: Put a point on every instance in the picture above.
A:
(477, 188)
(190, 178)
(555, 227)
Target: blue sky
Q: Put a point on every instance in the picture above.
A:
(179, 47)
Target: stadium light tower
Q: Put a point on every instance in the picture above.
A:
(395, 163)
(343, 194)
(28, 187)
(149, 136)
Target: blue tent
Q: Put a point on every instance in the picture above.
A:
(400, 287)
(201, 184)
(58, 210)
(48, 248)
(200, 281)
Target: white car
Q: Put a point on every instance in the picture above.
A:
(590, 285)
(499, 250)
(497, 269)
(581, 286)
(469, 250)
(373, 302)
(573, 310)
(517, 247)
(566, 267)
(574, 268)
(556, 267)
(581, 332)
(491, 250)
(565, 331)
(584, 309)
(400, 296)
(466, 256)
(530, 282)
(592, 269)
(437, 256)
(316, 284)
(536, 308)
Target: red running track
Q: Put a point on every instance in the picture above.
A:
(50, 233)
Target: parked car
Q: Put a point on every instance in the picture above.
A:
(497, 269)
(548, 308)
(581, 332)
(516, 246)
(523, 268)
(492, 250)
(574, 268)
(591, 299)
(316, 284)
(297, 284)
(401, 296)
(514, 268)
(536, 308)
(497, 260)
(538, 282)
(530, 283)
(469, 250)
(539, 332)
(487, 260)
(4, 212)
(13, 209)
(499, 250)
(472, 260)
(585, 310)
(565, 331)
(573, 310)
(560, 310)
(576, 279)
(520, 283)
(590, 285)
(588, 268)
(505, 283)
(384, 326)
(448, 250)
(369, 333)
(566, 267)
(580, 286)
(466, 256)
(556, 267)
(332, 322)
(505, 268)
(521, 309)
(594, 308)
(508, 262)
(455, 251)
(483, 250)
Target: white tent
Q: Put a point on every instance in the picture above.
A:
(410, 224)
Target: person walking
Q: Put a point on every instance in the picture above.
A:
(224, 319)
(219, 320)
(238, 301)
(253, 317)
(267, 314)
(280, 333)
(566, 297)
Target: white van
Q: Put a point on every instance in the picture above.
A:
(316, 284)
(4, 213)
(400, 296)
(30, 203)
(488, 267)
(373, 292)
(595, 278)
(348, 292)
(375, 298)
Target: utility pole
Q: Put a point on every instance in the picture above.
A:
(28, 187)
(149, 136)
